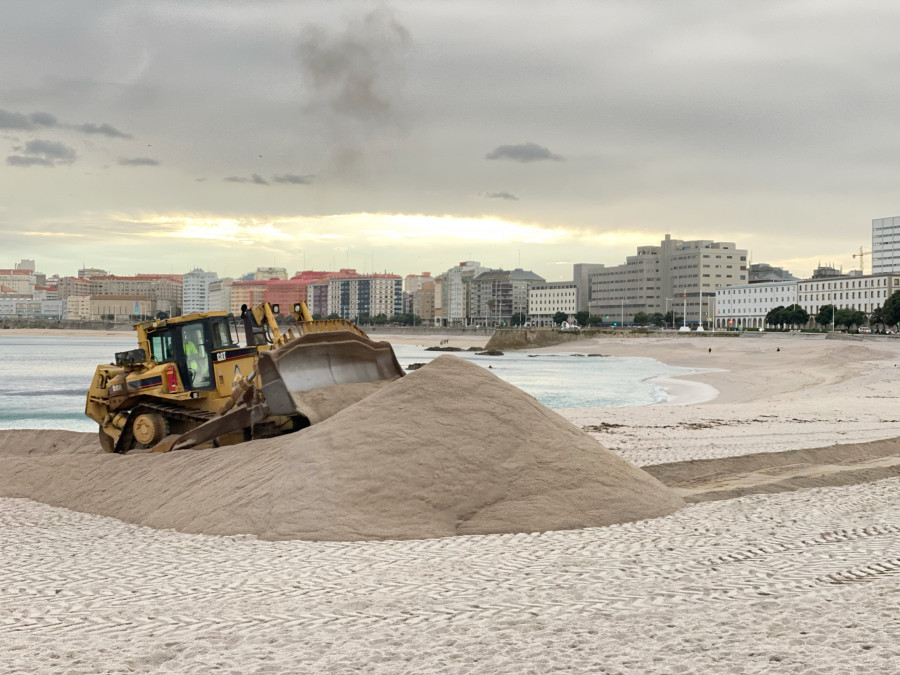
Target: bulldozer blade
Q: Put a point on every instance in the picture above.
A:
(317, 361)
(236, 419)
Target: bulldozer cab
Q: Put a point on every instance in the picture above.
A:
(191, 346)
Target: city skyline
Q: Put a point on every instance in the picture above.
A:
(404, 137)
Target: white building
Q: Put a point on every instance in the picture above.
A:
(861, 292)
(454, 287)
(195, 291)
(220, 295)
(746, 305)
(548, 298)
(885, 245)
(669, 276)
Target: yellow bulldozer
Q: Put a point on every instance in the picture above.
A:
(216, 378)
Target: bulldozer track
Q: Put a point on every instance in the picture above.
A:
(168, 411)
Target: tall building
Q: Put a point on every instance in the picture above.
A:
(452, 300)
(195, 291)
(669, 276)
(581, 275)
(496, 295)
(366, 295)
(220, 295)
(423, 302)
(885, 245)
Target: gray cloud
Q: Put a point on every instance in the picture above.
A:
(44, 120)
(293, 179)
(255, 178)
(524, 152)
(102, 130)
(356, 72)
(501, 195)
(19, 160)
(138, 161)
(42, 153)
(22, 122)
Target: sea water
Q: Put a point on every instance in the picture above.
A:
(44, 380)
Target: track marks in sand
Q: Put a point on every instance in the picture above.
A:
(718, 587)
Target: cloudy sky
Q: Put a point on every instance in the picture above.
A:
(408, 136)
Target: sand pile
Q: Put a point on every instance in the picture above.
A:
(448, 449)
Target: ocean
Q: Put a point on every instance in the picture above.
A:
(43, 380)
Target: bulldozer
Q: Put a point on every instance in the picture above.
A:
(212, 378)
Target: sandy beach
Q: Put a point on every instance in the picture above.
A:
(801, 580)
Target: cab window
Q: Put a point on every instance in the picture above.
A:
(196, 358)
(221, 336)
(161, 346)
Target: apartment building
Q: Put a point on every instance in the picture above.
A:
(496, 295)
(366, 295)
(453, 307)
(548, 298)
(250, 293)
(220, 295)
(20, 281)
(885, 245)
(195, 291)
(423, 301)
(674, 275)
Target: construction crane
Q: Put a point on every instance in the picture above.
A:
(861, 255)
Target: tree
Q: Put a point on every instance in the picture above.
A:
(669, 318)
(657, 319)
(518, 319)
(641, 318)
(849, 317)
(777, 316)
(559, 317)
(891, 309)
(582, 317)
(317, 317)
(877, 320)
(826, 315)
(333, 316)
(595, 320)
(162, 315)
(797, 316)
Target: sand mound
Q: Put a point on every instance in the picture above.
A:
(448, 449)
